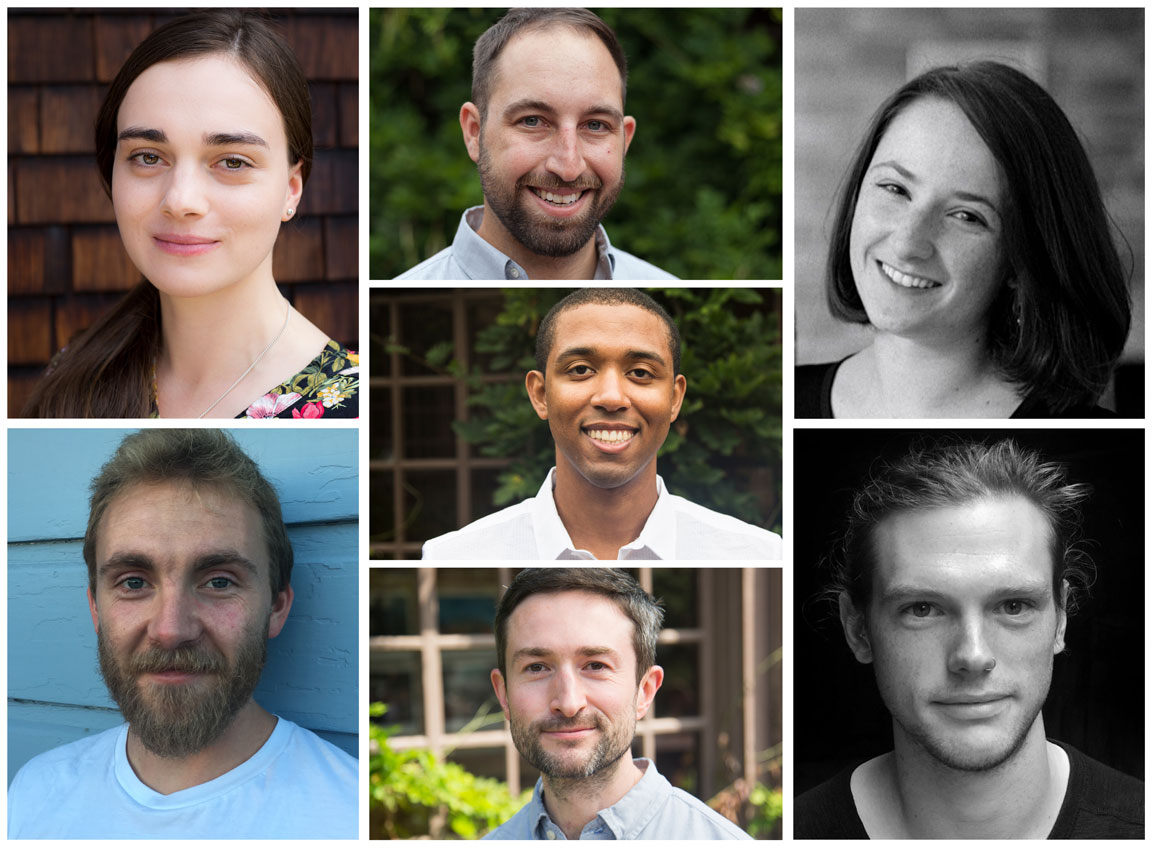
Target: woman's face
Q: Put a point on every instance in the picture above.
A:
(201, 180)
(927, 241)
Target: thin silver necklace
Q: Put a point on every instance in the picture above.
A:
(256, 361)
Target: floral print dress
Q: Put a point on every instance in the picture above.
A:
(328, 388)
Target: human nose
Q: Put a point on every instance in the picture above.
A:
(566, 159)
(611, 391)
(567, 694)
(184, 194)
(914, 236)
(971, 652)
(175, 621)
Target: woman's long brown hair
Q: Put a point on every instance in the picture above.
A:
(106, 371)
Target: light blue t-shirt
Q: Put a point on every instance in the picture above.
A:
(471, 257)
(296, 786)
(653, 809)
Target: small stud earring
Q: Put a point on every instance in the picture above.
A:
(290, 211)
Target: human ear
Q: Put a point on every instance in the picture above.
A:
(471, 125)
(855, 630)
(95, 614)
(679, 386)
(534, 383)
(280, 608)
(1061, 619)
(294, 193)
(629, 131)
(501, 692)
(649, 684)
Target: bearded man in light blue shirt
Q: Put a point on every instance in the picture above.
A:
(576, 649)
(547, 130)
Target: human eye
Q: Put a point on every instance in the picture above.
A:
(132, 583)
(598, 126)
(642, 373)
(969, 216)
(535, 667)
(893, 188)
(1017, 607)
(234, 163)
(920, 610)
(531, 121)
(145, 158)
(597, 667)
(580, 370)
(220, 583)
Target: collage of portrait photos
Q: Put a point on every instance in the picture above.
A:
(293, 309)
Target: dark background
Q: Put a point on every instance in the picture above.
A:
(1096, 702)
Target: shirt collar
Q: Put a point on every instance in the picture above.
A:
(656, 540)
(480, 260)
(627, 817)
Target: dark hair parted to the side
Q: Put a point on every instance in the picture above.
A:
(489, 45)
(949, 474)
(546, 334)
(640, 607)
(106, 371)
(201, 458)
(1059, 329)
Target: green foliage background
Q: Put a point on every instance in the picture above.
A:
(722, 452)
(703, 193)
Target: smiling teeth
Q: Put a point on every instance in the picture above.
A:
(611, 436)
(558, 199)
(907, 280)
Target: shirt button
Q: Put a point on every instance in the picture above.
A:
(515, 274)
(551, 834)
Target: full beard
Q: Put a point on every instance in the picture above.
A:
(175, 721)
(555, 239)
(613, 743)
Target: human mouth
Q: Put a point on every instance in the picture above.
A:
(555, 198)
(184, 245)
(610, 439)
(906, 280)
(974, 707)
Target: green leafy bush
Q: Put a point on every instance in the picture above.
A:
(704, 184)
(412, 793)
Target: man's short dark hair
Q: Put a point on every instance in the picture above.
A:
(203, 458)
(491, 44)
(640, 607)
(933, 475)
(546, 334)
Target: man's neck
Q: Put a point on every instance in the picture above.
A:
(579, 265)
(910, 794)
(602, 520)
(247, 733)
(573, 803)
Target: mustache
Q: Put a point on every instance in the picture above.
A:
(568, 724)
(549, 182)
(181, 660)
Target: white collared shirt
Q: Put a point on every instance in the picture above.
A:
(676, 529)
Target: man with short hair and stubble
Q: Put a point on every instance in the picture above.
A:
(576, 655)
(954, 580)
(547, 130)
(608, 382)
(189, 568)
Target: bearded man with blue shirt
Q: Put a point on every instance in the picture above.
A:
(608, 383)
(547, 130)
(576, 649)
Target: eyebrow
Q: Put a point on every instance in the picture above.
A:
(545, 653)
(206, 561)
(528, 104)
(966, 196)
(590, 352)
(212, 139)
(902, 592)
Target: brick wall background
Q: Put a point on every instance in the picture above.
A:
(848, 61)
(66, 263)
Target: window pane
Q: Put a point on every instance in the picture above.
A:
(393, 609)
(422, 326)
(381, 508)
(678, 760)
(678, 588)
(467, 599)
(428, 413)
(394, 679)
(487, 762)
(430, 504)
(679, 696)
(381, 445)
(468, 689)
(379, 319)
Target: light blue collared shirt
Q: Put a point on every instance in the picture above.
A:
(653, 809)
(471, 257)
